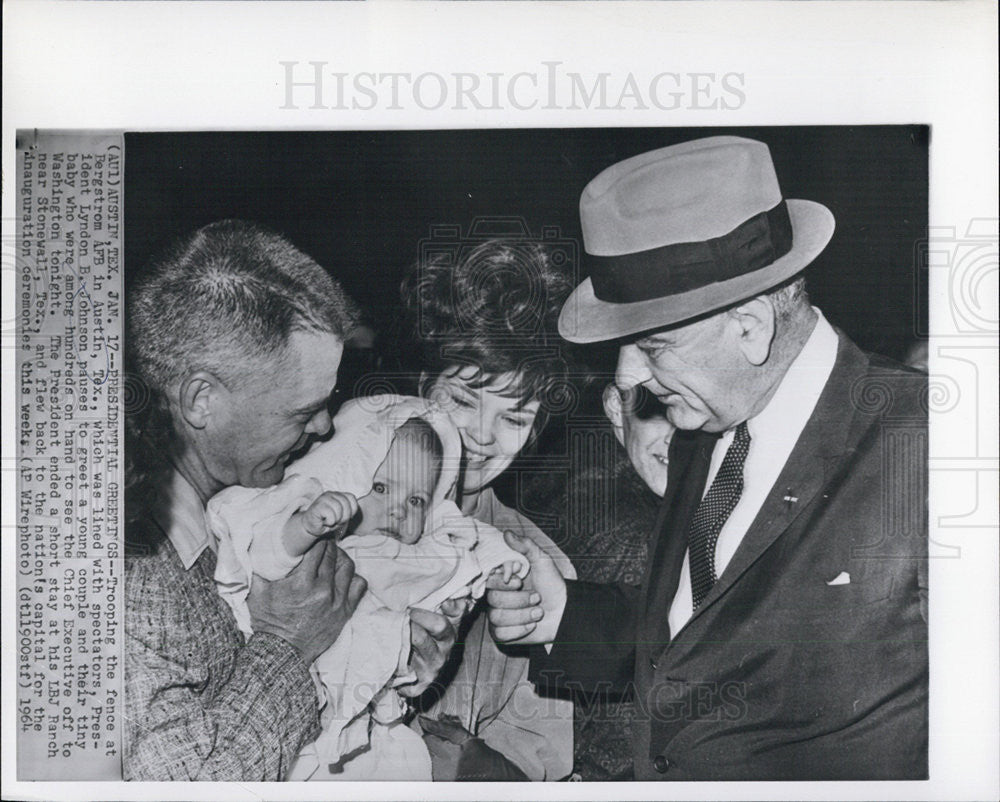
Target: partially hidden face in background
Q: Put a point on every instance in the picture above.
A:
(641, 425)
(401, 492)
(494, 423)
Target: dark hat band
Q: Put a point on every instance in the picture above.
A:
(673, 269)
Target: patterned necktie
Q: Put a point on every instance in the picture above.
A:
(712, 513)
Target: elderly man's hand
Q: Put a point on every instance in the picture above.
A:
(528, 610)
(309, 607)
(432, 635)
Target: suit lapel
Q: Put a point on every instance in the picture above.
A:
(828, 435)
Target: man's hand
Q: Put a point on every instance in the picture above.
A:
(528, 610)
(309, 607)
(431, 635)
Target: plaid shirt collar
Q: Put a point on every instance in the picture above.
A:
(181, 515)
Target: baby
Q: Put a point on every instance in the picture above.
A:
(380, 486)
(395, 507)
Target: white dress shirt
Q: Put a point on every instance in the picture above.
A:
(179, 511)
(773, 434)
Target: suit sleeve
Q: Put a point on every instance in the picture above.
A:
(594, 648)
(533, 729)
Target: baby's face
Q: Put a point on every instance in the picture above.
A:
(402, 489)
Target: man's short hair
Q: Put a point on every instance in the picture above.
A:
(226, 298)
(789, 298)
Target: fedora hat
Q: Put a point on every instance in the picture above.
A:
(685, 230)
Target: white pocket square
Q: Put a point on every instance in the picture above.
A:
(843, 578)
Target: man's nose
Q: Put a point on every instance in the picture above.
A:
(632, 368)
(320, 423)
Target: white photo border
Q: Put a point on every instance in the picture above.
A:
(217, 66)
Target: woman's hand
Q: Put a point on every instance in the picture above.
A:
(456, 609)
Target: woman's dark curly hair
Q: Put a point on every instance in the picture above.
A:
(494, 309)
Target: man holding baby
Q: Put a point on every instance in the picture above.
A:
(237, 336)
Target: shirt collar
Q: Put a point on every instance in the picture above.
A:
(180, 513)
(793, 402)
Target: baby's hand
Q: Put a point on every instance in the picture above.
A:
(329, 511)
(509, 569)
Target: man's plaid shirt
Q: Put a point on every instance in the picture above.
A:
(201, 702)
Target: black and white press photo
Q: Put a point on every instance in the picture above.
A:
(454, 400)
(526, 454)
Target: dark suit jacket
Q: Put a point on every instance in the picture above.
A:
(780, 674)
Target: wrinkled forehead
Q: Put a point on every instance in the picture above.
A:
(308, 360)
(697, 337)
(681, 334)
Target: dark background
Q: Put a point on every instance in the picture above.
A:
(361, 203)
(364, 204)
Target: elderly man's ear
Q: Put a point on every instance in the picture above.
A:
(755, 321)
(199, 397)
(612, 399)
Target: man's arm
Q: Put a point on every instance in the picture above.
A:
(201, 704)
(184, 721)
(591, 626)
(251, 730)
(594, 648)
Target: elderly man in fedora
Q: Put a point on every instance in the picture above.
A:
(780, 629)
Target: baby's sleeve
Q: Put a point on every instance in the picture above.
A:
(254, 521)
(247, 524)
(491, 552)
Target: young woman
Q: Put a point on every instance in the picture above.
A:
(490, 356)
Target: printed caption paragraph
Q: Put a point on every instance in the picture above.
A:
(69, 482)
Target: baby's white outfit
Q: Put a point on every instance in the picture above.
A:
(363, 734)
